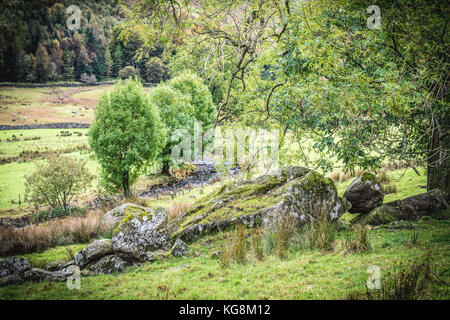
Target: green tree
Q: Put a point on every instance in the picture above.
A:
(118, 62)
(67, 67)
(42, 64)
(182, 101)
(366, 95)
(108, 63)
(126, 135)
(57, 181)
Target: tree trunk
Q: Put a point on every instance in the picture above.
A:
(165, 168)
(126, 184)
(438, 167)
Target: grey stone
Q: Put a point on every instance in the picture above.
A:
(114, 217)
(93, 252)
(179, 248)
(109, 264)
(10, 280)
(430, 203)
(365, 193)
(140, 235)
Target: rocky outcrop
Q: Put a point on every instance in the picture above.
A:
(114, 217)
(365, 193)
(93, 252)
(141, 234)
(410, 209)
(297, 193)
(16, 270)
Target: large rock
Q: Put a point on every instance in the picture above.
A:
(109, 264)
(142, 235)
(296, 193)
(93, 252)
(365, 193)
(410, 209)
(114, 217)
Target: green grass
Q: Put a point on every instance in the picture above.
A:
(302, 275)
(49, 140)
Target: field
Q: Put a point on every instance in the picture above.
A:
(49, 105)
(302, 274)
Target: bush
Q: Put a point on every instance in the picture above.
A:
(128, 72)
(127, 135)
(88, 79)
(57, 181)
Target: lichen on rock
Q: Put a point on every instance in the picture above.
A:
(140, 234)
(297, 192)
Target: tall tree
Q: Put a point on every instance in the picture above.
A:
(42, 63)
(108, 63)
(126, 135)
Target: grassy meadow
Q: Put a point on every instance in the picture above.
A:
(301, 274)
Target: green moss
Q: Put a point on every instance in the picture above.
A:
(381, 215)
(134, 212)
(367, 176)
(314, 181)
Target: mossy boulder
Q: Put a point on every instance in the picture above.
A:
(141, 234)
(365, 193)
(295, 192)
(430, 203)
(114, 217)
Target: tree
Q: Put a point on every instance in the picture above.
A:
(128, 72)
(369, 96)
(155, 71)
(108, 63)
(118, 56)
(182, 101)
(67, 67)
(42, 64)
(57, 181)
(126, 135)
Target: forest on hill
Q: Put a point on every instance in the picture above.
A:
(37, 46)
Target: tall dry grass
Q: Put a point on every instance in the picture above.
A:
(177, 209)
(37, 238)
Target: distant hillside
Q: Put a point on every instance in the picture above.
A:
(37, 46)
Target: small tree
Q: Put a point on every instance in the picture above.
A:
(126, 135)
(57, 181)
(127, 72)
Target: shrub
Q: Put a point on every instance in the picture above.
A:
(127, 135)
(57, 181)
(88, 79)
(128, 72)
